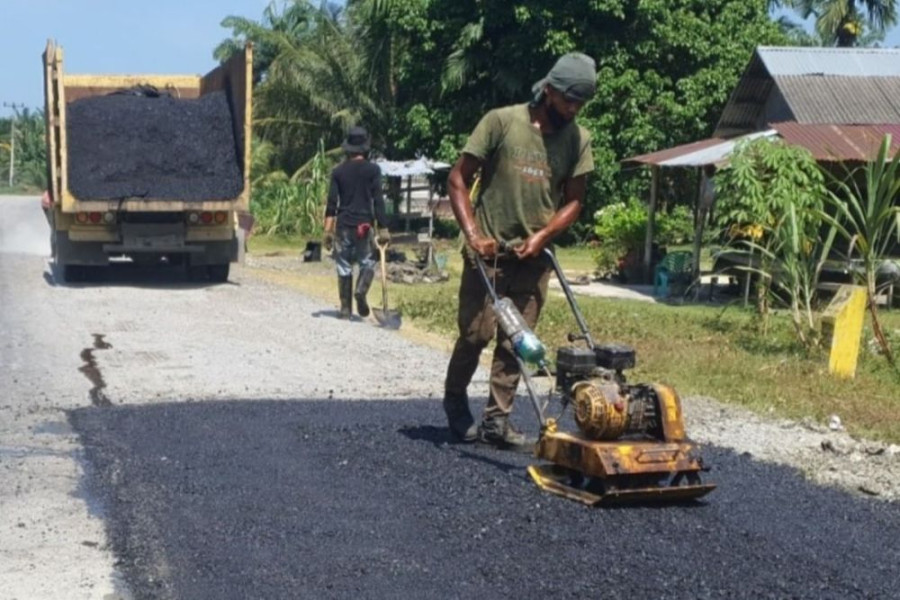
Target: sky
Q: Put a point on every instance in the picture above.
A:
(110, 36)
(121, 36)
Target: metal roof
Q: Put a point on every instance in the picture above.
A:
(847, 62)
(848, 100)
(826, 142)
(712, 151)
(409, 168)
(824, 85)
(839, 143)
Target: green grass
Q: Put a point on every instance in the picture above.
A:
(699, 349)
(19, 190)
(266, 244)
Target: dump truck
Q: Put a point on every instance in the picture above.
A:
(133, 190)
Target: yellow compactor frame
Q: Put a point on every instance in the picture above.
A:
(601, 472)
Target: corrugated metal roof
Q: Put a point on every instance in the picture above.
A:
(848, 62)
(710, 151)
(871, 95)
(826, 142)
(838, 143)
(848, 100)
(420, 166)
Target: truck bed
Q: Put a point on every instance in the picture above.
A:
(230, 82)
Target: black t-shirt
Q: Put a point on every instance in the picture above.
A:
(355, 192)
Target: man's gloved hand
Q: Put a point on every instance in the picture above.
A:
(384, 236)
(328, 241)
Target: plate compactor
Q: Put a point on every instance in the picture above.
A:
(630, 445)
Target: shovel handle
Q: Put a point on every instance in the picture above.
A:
(381, 254)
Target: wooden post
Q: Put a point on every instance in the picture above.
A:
(651, 219)
(408, 201)
(699, 223)
(430, 257)
(842, 324)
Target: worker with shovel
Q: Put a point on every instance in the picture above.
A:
(355, 202)
(534, 160)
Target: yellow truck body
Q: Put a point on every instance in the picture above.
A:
(205, 246)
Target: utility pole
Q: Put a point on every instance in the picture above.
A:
(12, 139)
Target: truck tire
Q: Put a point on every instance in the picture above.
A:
(218, 273)
(73, 273)
(196, 273)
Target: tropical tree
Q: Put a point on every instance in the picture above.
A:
(665, 69)
(269, 35)
(844, 22)
(30, 149)
(419, 74)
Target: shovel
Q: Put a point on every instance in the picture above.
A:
(389, 319)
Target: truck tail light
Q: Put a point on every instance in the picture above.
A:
(96, 217)
(81, 217)
(193, 218)
(206, 218)
(221, 217)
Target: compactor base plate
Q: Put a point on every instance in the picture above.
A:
(598, 472)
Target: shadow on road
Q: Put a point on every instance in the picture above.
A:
(126, 274)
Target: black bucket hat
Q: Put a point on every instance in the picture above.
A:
(357, 141)
(574, 74)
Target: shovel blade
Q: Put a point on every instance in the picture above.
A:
(389, 319)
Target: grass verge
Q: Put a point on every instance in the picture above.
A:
(699, 349)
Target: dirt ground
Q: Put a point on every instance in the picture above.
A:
(823, 452)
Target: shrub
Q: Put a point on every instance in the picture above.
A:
(621, 229)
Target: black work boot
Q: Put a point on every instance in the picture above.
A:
(345, 290)
(459, 417)
(499, 432)
(363, 282)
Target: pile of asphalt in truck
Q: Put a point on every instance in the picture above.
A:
(138, 144)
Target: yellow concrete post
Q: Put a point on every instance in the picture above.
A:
(842, 324)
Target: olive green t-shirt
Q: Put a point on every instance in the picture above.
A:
(523, 171)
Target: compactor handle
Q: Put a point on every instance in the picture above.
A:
(570, 297)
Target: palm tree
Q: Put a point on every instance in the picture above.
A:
(322, 69)
(842, 22)
(268, 35)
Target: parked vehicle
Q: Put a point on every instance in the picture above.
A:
(199, 232)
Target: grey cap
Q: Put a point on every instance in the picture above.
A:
(574, 74)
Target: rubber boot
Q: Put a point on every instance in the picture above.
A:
(363, 283)
(345, 289)
(499, 432)
(459, 417)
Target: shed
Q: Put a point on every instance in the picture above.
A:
(408, 170)
(849, 86)
(836, 102)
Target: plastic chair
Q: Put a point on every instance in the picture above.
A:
(675, 267)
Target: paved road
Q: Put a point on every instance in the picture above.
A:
(166, 440)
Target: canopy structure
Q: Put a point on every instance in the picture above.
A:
(826, 142)
(419, 166)
(409, 169)
(709, 152)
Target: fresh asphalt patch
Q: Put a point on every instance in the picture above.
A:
(372, 499)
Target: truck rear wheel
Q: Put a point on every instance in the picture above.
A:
(73, 273)
(218, 273)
